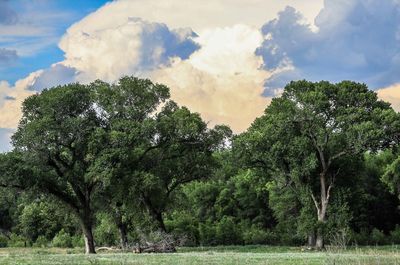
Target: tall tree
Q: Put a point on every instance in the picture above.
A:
(55, 137)
(182, 151)
(67, 131)
(129, 109)
(306, 134)
(153, 146)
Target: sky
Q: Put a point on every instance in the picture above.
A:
(225, 59)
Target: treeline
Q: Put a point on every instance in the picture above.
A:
(110, 164)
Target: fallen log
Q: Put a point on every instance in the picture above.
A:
(107, 248)
(155, 248)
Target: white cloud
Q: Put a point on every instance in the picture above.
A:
(391, 94)
(133, 47)
(356, 40)
(198, 14)
(11, 99)
(222, 80)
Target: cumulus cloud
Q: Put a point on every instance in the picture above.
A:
(391, 94)
(11, 98)
(134, 47)
(7, 15)
(222, 80)
(356, 40)
(57, 74)
(197, 14)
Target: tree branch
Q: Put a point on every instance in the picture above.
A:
(315, 202)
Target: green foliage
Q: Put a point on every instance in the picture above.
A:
(378, 237)
(184, 225)
(253, 235)
(307, 136)
(228, 232)
(3, 241)
(106, 233)
(41, 242)
(78, 241)
(391, 176)
(395, 235)
(17, 241)
(43, 218)
(207, 234)
(62, 240)
(126, 161)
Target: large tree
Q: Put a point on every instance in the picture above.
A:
(149, 149)
(113, 143)
(305, 135)
(55, 138)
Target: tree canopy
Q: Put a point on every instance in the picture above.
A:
(306, 134)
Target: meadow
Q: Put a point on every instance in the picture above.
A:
(211, 255)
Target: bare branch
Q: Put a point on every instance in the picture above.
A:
(315, 202)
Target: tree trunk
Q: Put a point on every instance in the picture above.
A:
(319, 243)
(321, 207)
(160, 220)
(89, 241)
(122, 227)
(87, 226)
(123, 233)
(311, 240)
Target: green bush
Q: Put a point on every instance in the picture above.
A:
(3, 241)
(78, 241)
(62, 240)
(41, 242)
(258, 236)
(378, 237)
(183, 225)
(106, 233)
(227, 232)
(207, 234)
(395, 235)
(362, 238)
(17, 241)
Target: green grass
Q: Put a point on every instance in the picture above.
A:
(210, 255)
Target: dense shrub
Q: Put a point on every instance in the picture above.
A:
(41, 242)
(395, 235)
(183, 225)
(361, 238)
(78, 241)
(106, 232)
(378, 237)
(3, 241)
(254, 235)
(227, 232)
(17, 241)
(207, 234)
(62, 240)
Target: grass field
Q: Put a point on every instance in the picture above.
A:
(218, 255)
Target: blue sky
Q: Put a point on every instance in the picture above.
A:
(54, 16)
(225, 59)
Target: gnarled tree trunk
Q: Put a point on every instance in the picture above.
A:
(160, 220)
(89, 241)
(122, 226)
(311, 240)
(86, 221)
(321, 210)
(123, 233)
